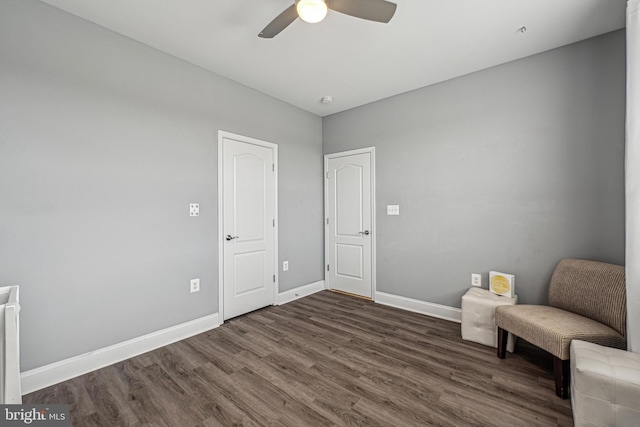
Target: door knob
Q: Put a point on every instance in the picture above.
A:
(229, 237)
(365, 232)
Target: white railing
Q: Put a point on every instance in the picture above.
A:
(10, 391)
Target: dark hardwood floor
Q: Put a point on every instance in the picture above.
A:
(324, 360)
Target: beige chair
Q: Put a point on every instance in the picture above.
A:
(587, 301)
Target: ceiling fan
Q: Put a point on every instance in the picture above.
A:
(315, 10)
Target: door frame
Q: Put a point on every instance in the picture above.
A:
(374, 225)
(274, 148)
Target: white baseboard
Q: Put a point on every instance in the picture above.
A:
(428, 308)
(45, 376)
(299, 292)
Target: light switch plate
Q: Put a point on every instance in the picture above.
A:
(393, 209)
(194, 209)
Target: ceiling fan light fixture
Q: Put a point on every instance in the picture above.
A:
(311, 11)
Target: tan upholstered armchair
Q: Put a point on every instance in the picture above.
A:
(587, 301)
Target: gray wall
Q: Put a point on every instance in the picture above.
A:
(104, 142)
(509, 169)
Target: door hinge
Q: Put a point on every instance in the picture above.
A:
(274, 278)
(274, 222)
(327, 221)
(273, 167)
(327, 175)
(327, 267)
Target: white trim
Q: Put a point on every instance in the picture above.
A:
(274, 147)
(374, 231)
(54, 373)
(350, 152)
(299, 292)
(220, 231)
(417, 306)
(374, 224)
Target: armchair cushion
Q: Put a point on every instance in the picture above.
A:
(552, 329)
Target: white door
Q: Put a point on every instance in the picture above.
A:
(248, 232)
(349, 222)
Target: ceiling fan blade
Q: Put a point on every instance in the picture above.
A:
(281, 22)
(371, 10)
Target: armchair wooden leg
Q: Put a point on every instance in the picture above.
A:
(561, 371)
(503, 335)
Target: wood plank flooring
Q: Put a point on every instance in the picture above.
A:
(324, 360)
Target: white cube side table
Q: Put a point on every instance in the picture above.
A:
(478, 317)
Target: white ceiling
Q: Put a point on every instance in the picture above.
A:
(352, 60)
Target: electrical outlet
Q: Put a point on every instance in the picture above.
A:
(476, 279)
(195, 285)
(194, 209)
(285, 265)
(393, 209)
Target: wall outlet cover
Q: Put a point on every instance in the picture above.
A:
(194, 285)
(285, 265)
(476, 279)
(393, 209)
(194, 209)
